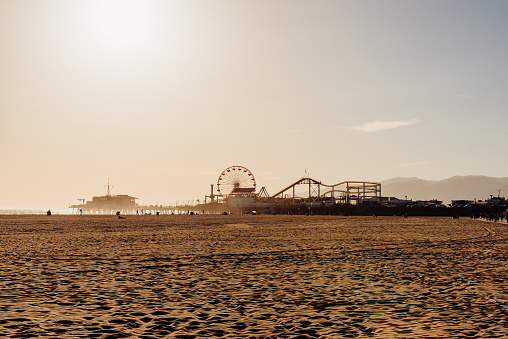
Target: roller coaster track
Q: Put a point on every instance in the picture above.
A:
(302, 181)
(365, 186)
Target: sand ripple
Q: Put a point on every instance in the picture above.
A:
(252, 277)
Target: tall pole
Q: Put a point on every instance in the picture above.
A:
(347, 193)
(109, 194)
(309, 188)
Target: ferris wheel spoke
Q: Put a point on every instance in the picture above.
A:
(235, 177)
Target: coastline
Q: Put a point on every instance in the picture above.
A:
(34, 211)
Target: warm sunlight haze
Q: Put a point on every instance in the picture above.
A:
(159, 96)
(122, 24)
(253, 169)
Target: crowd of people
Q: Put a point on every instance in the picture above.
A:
(496, 217)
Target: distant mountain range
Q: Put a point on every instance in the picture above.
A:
(455, 188)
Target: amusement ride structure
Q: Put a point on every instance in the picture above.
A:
(236, 192)
(345, 192)
(236, 181)
(236, 187)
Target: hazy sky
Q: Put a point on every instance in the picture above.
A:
(161, 96)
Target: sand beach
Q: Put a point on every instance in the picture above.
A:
(245, 276)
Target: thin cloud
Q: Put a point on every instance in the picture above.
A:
(375, 126)
(414, 164)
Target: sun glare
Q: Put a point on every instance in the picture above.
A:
(120, 24)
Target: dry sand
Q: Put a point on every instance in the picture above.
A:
(252, 276)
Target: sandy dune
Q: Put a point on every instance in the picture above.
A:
(252, 277)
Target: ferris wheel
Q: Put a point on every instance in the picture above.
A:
(236, 180)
